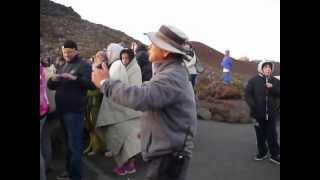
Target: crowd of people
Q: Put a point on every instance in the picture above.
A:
(139, 100)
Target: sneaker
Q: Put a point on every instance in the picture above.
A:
(275, 159)
(120, 171)
(260, 157)
(63, 176)
(130, 168)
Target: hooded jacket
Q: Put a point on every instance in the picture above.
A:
(263, 102)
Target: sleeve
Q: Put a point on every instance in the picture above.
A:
(249, 95)
(84, 77)
(150, 96)
(275, 90)
(231, 63)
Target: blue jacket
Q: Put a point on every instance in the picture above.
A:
(226, 63)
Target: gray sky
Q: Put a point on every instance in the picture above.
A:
(247, 27)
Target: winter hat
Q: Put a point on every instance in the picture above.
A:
(70, 44)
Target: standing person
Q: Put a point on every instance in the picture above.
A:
(142, 58)
(71, 84)
(59, 62)
(117, 124)
(167, 100)
(227, 66)
(191, 65)
(134, 47)
(261, 95)
(47, 127)
(44, 109)
(96, 143)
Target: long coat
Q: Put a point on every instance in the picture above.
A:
(134, 73)
(119, 125)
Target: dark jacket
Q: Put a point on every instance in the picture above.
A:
(71, 94)
(256, 93)
(142, 58)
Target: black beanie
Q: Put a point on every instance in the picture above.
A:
(70, 44)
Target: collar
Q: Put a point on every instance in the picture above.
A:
(160, 65)
(74, 59)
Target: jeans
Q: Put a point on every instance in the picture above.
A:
(42, 163)
(227, 77)
(73, 125)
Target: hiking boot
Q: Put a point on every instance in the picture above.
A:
(260, 157)
(130, 168)
(120, 171)
(275, 159)
(63, 176)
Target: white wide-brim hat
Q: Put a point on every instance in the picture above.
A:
(169, 38)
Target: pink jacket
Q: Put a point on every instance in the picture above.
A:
(44, 104)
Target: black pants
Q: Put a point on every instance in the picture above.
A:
(163, 167)
(266, 131)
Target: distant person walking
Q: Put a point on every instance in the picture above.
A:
(226, 67)
(262, 94)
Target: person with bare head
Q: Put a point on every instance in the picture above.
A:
(134, 47)
(191, 64)
(142, 57)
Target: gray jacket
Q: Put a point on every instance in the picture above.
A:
(169, 107)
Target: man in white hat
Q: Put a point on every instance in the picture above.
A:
(167, 100)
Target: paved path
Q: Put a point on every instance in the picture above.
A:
(222, 152)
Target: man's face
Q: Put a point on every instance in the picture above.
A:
(267, 70)
(69, 54)
(125, 58)
(155, 53)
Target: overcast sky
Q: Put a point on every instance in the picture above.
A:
(247, 27)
